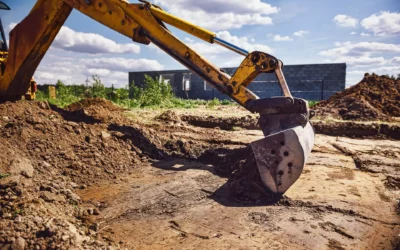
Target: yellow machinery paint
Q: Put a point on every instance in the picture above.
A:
(284, 120)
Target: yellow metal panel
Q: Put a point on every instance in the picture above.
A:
(28, 45)
(186, 26)
(111, 15)
(183, 53)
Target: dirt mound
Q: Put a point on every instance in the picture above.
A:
(89, 102)
(374, 98)
(48, 154)
(93, 110)
(352, 129)
(169, 116)
(229, 123)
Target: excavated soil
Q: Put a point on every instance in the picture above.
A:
(94, 176)
(374, 98)
(353, 129)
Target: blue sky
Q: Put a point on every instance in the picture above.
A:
(364, 34)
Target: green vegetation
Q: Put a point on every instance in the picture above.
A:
(4, 175)
(154, 94)
(312, 103)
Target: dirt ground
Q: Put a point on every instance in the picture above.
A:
(97, 177)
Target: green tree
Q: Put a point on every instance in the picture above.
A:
(153, 92)
(122, 93)
(98, 88)
(65, 94)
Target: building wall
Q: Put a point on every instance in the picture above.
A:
(311, 82)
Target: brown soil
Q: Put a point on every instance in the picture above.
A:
(352, 129)
(228, 123)
(374, 98)
(90, 176)
(358, 130)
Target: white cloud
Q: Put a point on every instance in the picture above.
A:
(90, 43)
(300, 33)
(243, 42)
(214, 49)
(353, 33)
(359, 49)
(187, 39)
(75, 70)
(364, 34)
(120, 64)
(395, 60)
(10, 27)
(355, 76)
(359, 61)
(359, 56)
(99, 72)
(384, 24)
(345, 21)
(353, 72)
(220, 6)
(217, 15)
(282, 38)
(390, 70)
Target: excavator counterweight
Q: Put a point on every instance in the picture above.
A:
(284, 120)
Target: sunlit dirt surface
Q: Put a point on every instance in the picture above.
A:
(345, 199)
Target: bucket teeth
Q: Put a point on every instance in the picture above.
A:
(281, 157)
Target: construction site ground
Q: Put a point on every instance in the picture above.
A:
(96, 176)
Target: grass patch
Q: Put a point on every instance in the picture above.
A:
(154, 94)
(312, 103)
(4, 175)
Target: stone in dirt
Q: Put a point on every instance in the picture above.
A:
(105, 136)
(21, 166)
(19, 244)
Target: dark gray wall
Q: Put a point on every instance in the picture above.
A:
(311, 82)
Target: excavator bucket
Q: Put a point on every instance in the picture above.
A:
(281, 156)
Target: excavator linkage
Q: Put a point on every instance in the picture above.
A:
(284, 120)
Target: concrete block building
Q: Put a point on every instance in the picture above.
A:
(310, 82)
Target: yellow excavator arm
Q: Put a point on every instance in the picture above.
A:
(281, 155)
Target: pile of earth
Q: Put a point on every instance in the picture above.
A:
(374, 98)
(49, 153)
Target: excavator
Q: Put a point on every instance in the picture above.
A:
(284, 120)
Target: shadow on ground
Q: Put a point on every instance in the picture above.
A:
(228, 194)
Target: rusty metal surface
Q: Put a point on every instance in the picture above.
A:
(28, 45)
(281, 113)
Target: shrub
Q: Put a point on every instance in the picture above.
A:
(214, 102)
(153, 93)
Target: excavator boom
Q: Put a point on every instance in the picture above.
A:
(289, 137)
